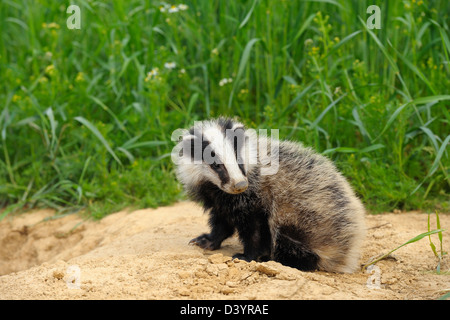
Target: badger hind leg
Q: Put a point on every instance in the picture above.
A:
(290, 250)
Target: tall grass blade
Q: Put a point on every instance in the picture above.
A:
(99, 136)
(249, 14)
(341, 149)
(206, 81)
(445, 40)
(422, 100)
(354, 150)
(296, 99)
(435, 164)
(372, 148)
(381, 46)
(109, 111)
(53, 124)
(242, 65)
(4, 122)
(324, 112)
(415, 70)
(432, 137)
(342, 42)
(301, 30)
(360, 124)
(333, 2)
(143, 144)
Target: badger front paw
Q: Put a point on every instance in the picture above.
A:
(205, 242)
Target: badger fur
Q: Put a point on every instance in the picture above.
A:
(305, 215)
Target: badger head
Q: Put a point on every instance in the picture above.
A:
(220, 151)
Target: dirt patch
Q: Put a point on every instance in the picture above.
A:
(144, 255)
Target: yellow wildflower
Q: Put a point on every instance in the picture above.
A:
(51, 25)
(80, 77)
(315, 50)
(50, 70)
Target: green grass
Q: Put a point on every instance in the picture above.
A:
(83, 124)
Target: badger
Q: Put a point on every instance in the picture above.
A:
(303, 214)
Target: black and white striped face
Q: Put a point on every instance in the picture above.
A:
(216, 151)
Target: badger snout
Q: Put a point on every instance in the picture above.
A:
(241, 186)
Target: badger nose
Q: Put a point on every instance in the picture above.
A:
(241, 186)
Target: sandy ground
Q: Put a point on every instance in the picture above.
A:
(145, 255)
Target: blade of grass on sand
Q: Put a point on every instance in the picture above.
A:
(438, 225)
(433, 247)
(415, 239)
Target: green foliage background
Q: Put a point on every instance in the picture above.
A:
(86, 115)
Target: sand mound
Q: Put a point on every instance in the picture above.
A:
(144, 255)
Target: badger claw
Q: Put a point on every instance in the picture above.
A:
(241, 256)
(204, 242)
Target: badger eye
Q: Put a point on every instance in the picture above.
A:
(215, 166)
